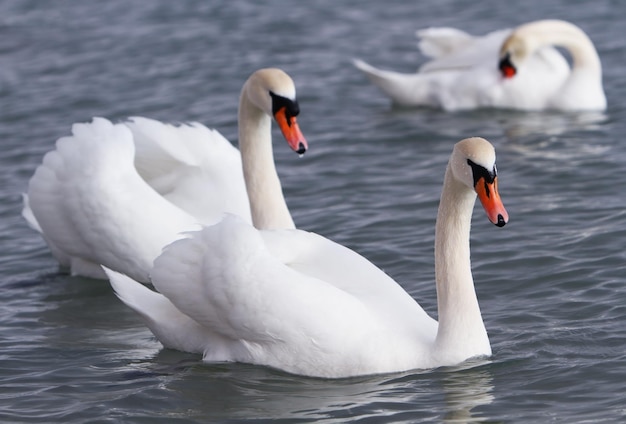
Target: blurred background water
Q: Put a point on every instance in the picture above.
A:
(550, 284)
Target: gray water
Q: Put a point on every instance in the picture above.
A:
(551, 283)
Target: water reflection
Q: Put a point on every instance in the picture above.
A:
(550, 123)
(239, 392)
(464, 391)
(492, 123)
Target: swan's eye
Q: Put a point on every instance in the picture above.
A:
(291, 107)
(479, 172)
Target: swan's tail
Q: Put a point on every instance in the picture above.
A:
(170, 326)
(138, 297)
(403, 89)
(27, 214)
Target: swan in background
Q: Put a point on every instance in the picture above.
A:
(511, 69)
(296, 301)
(116, 194)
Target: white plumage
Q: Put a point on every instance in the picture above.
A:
(116, 194)
(299, 302)
(463, 71)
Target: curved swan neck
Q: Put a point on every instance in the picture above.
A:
(267, 203)
(461, 327)
(569, 36)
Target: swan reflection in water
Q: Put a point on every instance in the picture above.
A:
(449, 395)
(464, 391)
(550, 123)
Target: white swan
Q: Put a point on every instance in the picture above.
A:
(516, 69)
(116, 194)
(299, 302)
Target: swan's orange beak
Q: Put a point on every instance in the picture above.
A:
(490, 199)
(291, 131)
(507, 69)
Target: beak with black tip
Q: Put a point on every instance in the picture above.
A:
(285, 111)
(291, 131)
(490, 199)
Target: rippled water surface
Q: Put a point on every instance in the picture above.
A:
(550, 284)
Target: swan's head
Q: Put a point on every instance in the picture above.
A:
(526, 39)
(519, 46)
(273, 92)
(473, 163)
(513, 52)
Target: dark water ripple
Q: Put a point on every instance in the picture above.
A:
(550, 283)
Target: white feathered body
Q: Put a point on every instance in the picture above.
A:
(270, 297)
(463, 74)
(299, 302)
(116, 194)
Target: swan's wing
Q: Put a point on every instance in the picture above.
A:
(437, 42)
(192, 166)
(225, 278)
(318, 257)
(161, 147)
(454, 49)
(55, 188)
(27, 213)
(92, 205)
(236, 281)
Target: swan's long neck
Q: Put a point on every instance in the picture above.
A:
(583, 88)
(267, 203)
(461, 329)
(563, 34)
